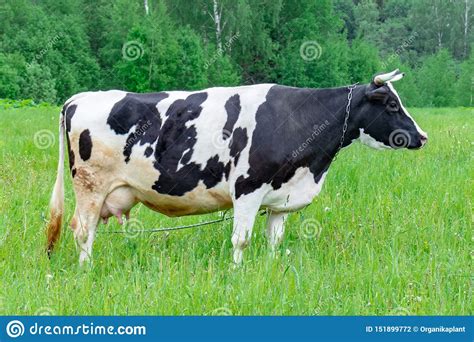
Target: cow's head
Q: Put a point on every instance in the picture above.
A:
(386, 123)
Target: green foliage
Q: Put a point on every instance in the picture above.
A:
(464, 89)
(50, 50)
(38, 83)
(28, 103)
(364, 61)
(220, 69)
(436, 79)
(10, 79)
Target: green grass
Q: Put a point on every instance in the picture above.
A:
(396, 238)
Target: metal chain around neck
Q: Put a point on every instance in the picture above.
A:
(346, 118)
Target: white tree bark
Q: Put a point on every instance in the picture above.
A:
(147, 9)
(217, 22)
(467, 8)
(439, 34)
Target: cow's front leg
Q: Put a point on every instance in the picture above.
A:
(245, 210)
(275, 228)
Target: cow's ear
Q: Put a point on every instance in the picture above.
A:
(377, 94)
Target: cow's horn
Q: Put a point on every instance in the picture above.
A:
(381, 79)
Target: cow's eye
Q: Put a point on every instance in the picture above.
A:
(392, 106)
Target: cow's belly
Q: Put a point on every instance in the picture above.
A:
(198, 201)
(295, 194)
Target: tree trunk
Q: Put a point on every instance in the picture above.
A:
(467, 7)
(217, 21)
(439, 34)
(147, 9)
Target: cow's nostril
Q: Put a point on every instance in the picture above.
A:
(423, 138)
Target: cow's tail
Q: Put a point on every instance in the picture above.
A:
(56, 203)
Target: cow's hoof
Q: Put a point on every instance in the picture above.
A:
(236, 267)
(84, 259)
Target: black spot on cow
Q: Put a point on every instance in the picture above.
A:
(69, 111)
(70, 155)
(139, 110)
(176, 144)
(285, 121)
(227, 170)
(175, 138)
(148, 151)
(174, 150)
(85, 145)
(172, 142)
(238, 143)
(212, 173)
(232, 107)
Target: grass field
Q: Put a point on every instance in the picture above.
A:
(396, 238)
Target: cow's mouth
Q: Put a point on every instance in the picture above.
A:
(419, 146)
(421, 142)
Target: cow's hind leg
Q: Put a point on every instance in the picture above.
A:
(275, 228)
(84, 224)
(245, 210)
(89, 202)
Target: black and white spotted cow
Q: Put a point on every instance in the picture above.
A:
(246, 148)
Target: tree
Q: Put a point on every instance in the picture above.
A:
(435, 80)
(312, 52)
(366, 15)
(10, 79)
(364, 61)
(464, 88)
(154, 45)
(38, 84)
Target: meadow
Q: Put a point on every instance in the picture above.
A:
(390, 234)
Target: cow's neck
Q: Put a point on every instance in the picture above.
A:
(335, 102)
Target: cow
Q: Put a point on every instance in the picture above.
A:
(193, 152)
